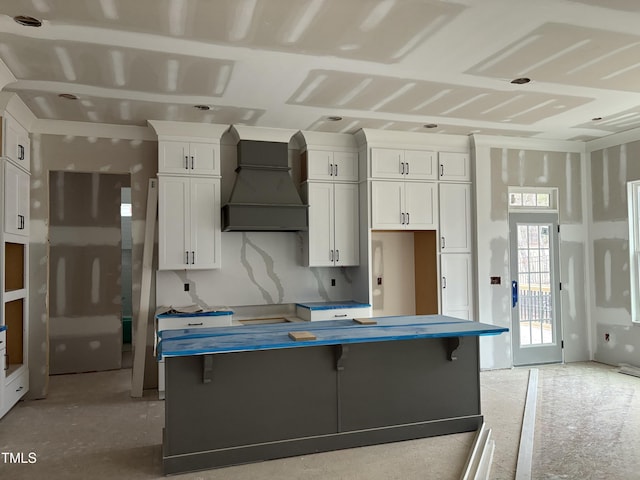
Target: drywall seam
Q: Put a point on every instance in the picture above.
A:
(517, 143)
(97, 130)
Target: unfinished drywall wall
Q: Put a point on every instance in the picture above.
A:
(135, 158)
(85, 330)
(392, 278)
(537, 164)
(617, 340)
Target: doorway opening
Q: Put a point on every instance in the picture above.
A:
(85, 281)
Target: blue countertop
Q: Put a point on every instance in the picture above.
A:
(3, 328)
(275, 336)
(333, 305)
(213, 313)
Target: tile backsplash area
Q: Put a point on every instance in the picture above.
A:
(258, 268)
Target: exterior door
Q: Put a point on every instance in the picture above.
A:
(535, 288)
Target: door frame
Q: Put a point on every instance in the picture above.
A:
(537, 354)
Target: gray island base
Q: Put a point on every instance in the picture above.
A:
(235, 397)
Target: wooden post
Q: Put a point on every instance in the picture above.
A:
(140, 338)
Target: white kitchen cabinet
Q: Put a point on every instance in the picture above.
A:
(331, 165)
(333, 237)
(454, 166)
(455, 218)
(16, 145)
(456, 285)
(188, 222)
(403, 164)
(193, 158)
(16, 200)
(404, 205)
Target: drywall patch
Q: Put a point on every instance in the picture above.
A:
(610, 172)
(611, 263)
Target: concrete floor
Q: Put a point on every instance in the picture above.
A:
(587, 427)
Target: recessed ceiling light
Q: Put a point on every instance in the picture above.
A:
(334, 118)
(521, 80)
(68, 96)
(28, 21)
(203, 107)
(430, 125)
(595, 119)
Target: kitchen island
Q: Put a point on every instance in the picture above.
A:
(250, 393)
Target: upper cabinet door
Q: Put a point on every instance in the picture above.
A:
(387, 203)
(16, 145)
(173, 223)
(420, 165)
(335, 166)
(387, 163)
(347, 225)
(345, 165)
(203, 159)
(455, 218)
(421, 206)
(205, 223)
(321, 223)
(188, 158)
(173, 157)
(319, 165)
(16, 200)
(454, 166)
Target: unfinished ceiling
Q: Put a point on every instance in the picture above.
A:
(388, 64)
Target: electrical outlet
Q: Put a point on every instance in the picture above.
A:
(606, 337)
(186, 287)
(333, 282)
(379, 281)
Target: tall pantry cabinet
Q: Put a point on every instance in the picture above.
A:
(14, 262)
(419, 194)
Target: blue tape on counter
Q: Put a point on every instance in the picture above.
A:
(266, 337)
(333, 305)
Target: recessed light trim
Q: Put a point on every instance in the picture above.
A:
(334, 118)
(27, 21)
(204, 108)
(430, 125)
(520, 81)
(68, 96)
(595, 119)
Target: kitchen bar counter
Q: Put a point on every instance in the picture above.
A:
(205, 341)
(250, 393)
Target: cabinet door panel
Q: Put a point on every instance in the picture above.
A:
(346, 166)
(387, 163)
(386, 205)
(319, 165)
(173, 223)
(16, 200)
(173, 157)
(454, 166)
(455, 284)
(455, 218)
(347, 230)
(16, 143)
(205, 222)
(203, 159)
(421, 206)
(420, 165)
(321, 222)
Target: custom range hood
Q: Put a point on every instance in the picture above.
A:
(264, 197)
